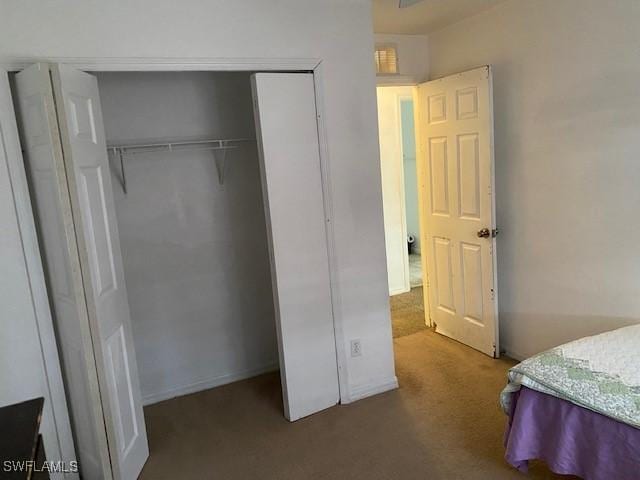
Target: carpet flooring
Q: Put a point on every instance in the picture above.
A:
(407, 313)
(415, 270)
(442, 423)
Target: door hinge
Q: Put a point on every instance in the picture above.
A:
(493, 294)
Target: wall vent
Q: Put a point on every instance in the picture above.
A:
(386, 59)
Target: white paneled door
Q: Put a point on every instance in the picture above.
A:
(458, 206)
(89, 181)
(286, 121)
(69, 171)
(50, 195)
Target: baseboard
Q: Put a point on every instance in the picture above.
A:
(507, 352)
(364, 391)
(206, 384)
(398, 291)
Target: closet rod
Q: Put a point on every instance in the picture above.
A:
(178, 145)
(213, 143)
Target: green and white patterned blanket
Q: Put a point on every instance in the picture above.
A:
(601, 373)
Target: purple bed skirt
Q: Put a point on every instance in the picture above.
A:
(570, 439)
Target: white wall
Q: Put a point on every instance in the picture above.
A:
(336, 31)
(413, 58)
(567, 112)
(195, 251)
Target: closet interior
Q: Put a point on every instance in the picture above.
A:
(186, 184)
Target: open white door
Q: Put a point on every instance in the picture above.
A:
(456, 146)
(286, 123)
(69, 170)
(45, 169)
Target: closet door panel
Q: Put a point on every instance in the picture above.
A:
(87, 169)
(285, 112)
(45, 169)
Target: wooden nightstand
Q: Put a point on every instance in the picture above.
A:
(21, 442)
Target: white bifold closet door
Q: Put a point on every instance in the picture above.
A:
(67, 161)
(287, 129)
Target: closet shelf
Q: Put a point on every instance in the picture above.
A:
(219, 147)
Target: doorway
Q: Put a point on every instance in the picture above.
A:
(398, 159)
(456, 202)
(196, 255)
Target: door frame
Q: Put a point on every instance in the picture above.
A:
(399, 97)
(289, 65)
(420, 162)
(421, 186)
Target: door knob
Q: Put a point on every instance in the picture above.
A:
(486, 233)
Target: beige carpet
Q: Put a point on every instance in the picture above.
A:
(407, 313)
(443, 423)
(415, 270)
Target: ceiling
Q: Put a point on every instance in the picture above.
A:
(424, 17)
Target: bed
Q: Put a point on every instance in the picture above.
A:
(577, 408)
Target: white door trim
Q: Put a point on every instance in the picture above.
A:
(314, 65)
(155, 64)
(421, 159)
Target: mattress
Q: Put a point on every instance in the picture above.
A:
(577, 407)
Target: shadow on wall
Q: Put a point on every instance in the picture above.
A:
(549, 331)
